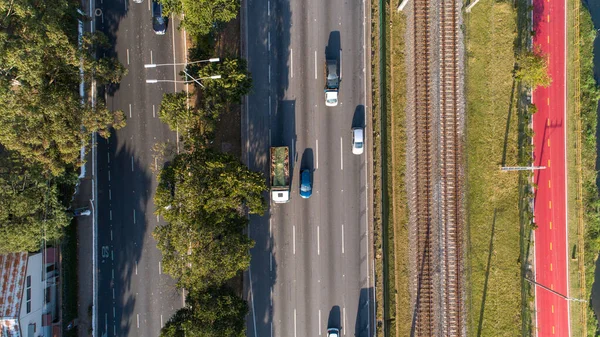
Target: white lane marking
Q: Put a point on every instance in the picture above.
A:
(114, 330)
(269, 39)
(112, 255)
(134, 215)
(315, 64)
(113, 274)
(269, 105)
(150, 51)
(270, 261)
(108, 157)
(318, 242)
(270, 228)
(269, 74)
(159, 268)
(111, 235)
(269, 8)
(109, 194)
(113, 293)
(149, 6)
(174, 57)
(317, 155)
(114, 312)
(153, 111)
(294, 322)
(294, 239)
(108, 175)
(292, 62)
(293, 153)
(341, 154)
(341, 68)
(129, 110)
(319, 322)
(110, 214)
(161, 321)
(138, 320)
(131, 163)
(136, 267)
(128, 56)
(252, 297)
(105, 322)
(342, 238)
(344, 310)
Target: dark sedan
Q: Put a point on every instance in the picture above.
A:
(159, 22)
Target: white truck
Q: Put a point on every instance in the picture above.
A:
(280, 174)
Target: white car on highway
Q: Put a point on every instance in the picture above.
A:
(333, 332)
(358, 140)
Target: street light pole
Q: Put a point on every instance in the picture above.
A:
(154, 65)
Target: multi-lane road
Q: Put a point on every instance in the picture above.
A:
(134, 297)
(312, 265)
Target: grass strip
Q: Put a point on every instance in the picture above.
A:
(493, 247)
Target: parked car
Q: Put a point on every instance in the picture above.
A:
(358, 140)
(159, 22)
(333, 332)
(305, 184)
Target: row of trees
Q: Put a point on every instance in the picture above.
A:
(204, 195)
(43, 121)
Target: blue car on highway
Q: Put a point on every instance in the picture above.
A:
(305, 184)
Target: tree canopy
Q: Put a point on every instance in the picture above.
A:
(532, 69)
(173, 110)
(235, 81)
(213, 312)
(202, 196)
(41, 112)
(30, 209)
(202, 15)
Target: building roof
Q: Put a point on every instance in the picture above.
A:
(13, 268)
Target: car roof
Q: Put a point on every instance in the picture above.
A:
(358, 134)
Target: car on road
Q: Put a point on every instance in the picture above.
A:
(305, 184)
(138, 1)
(333, 332)
(332, 83)
(358, 140)
(159, 22)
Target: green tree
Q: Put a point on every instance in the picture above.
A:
(41, 113)
(174, 111)
(29, 206)
(202, 15)
(208, 182)
(200, 253)
(532, 69)
(213, 312)
(235, 81)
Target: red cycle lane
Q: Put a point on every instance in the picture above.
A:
(549, 125)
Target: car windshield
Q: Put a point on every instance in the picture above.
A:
(358, 145)
(305, 187)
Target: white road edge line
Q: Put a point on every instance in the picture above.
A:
(319, 322)
(174, 57)
(317, 155)
(295, 322)
(315, 64)
(292, 62)
(342, 238)
(341, 153)
(318, 242)
(341, 68)
(344, 311)
(153, 111)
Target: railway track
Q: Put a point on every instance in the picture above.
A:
(437, 121)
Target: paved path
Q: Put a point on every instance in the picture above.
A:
(549, 125)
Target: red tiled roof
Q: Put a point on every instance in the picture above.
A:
(13, 268)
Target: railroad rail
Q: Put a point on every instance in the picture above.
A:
(437, 122)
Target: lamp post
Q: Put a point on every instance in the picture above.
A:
(154, 65)
(214, 77)
(196, 80)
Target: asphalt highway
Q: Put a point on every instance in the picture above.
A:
(134, 297)
(549, 126)
(312, 266)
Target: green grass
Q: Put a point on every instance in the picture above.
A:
(494, 302)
